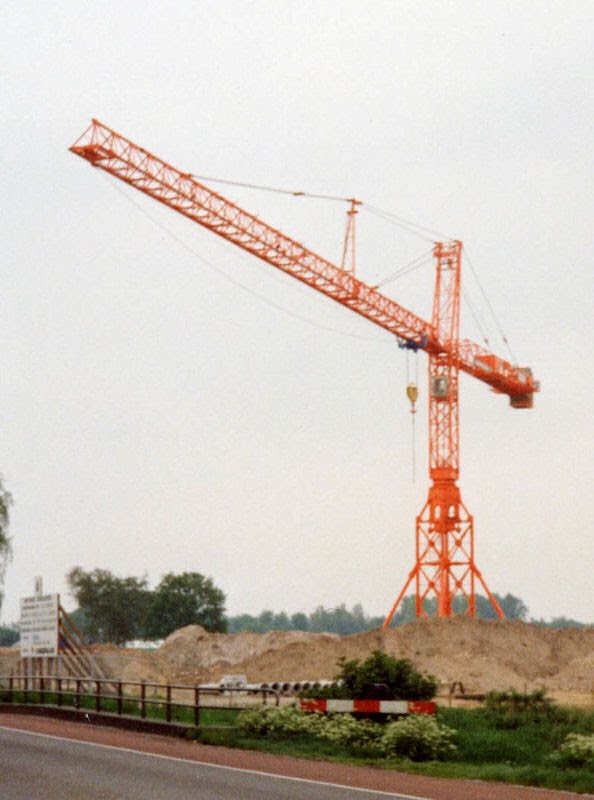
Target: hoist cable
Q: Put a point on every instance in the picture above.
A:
(402, 222)
(273, 189)
(237, 283)
(414, 459)
(475, 316)
(490, 307)
(413, 265)
(411, 227)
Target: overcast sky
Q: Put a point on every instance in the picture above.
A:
(157, 416)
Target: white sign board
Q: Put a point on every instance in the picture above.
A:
(39, 625)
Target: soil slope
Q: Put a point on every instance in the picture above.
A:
(482, 654)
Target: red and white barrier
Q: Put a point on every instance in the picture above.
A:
(369, 706)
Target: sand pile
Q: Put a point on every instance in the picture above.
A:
(577, 676)
(191, 653)
(482, 654)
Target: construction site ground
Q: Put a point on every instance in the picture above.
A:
(482, 655)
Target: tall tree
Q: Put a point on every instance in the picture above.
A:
(299, 621)
(338, 620)
(5, 541)
(9, 635)
(512, 606)
(242, 623)
(115, 608)
(561, 622)
(344, 622)
(185, 599)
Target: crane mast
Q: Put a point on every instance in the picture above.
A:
(444, 565)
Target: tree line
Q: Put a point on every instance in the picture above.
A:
(118, 610)
(113, 609)
(344, 622)
(121, 609)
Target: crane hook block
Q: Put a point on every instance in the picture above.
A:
(412, 393)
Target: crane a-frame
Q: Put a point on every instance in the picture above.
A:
(444, 565)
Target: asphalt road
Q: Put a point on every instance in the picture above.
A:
(38, 767)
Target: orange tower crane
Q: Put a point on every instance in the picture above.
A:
(444, 566)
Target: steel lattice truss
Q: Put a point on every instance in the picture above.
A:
(110, 151)
(444, 564)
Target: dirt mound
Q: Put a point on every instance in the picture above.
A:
(577, 676)
(192, 653)
(483, 654)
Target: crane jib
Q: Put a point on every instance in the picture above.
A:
(112, 152)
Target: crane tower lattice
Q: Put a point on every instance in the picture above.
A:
(444, 565)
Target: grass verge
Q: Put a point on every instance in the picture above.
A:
(518, 755)
(153, 711)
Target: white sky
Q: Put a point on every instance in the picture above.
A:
(156, 417)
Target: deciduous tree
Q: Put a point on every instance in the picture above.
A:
(5, 543)
(185, 599)
(9, 634)
(115, 608)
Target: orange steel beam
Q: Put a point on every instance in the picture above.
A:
(444, 565)
(112, 152)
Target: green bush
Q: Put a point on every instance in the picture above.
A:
(346, 730)
(268, 720)
(576, 751)
(379, 676)
(512, 709)
(418, 737)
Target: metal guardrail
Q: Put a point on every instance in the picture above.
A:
(77, 692)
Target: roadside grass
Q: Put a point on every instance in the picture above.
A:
(519, 755)
(542, 775)
(298, 745)
(482, 738)
(153, 710)
(517, 750)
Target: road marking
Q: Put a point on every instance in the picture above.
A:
(218, 766)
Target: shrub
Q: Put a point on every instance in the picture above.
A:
(511, 709)
(576, 751)
(341, 729)
(346, 730)
(418, 737)
(268, 720)
(379, 676)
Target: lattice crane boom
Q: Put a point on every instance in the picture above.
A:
(444, 564)
(112, 152)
